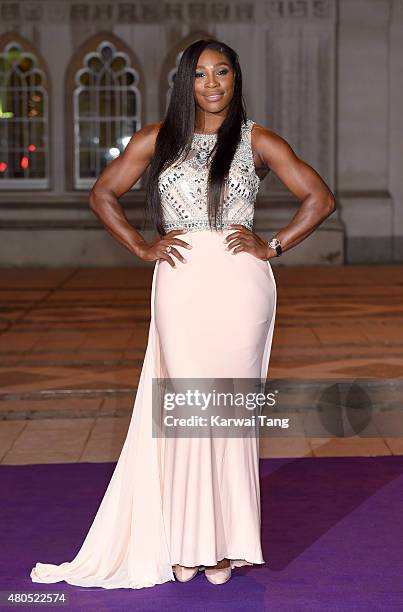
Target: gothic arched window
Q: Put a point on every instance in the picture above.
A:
(24, 146)
(106, 109)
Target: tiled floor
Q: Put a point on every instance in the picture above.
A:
(72, 344)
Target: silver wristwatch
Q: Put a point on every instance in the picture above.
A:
(276, 245)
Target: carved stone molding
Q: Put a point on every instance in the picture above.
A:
(156, 11)
(301, 9)
(300, 60)
(136, 11)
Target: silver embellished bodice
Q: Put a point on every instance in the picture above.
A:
(183, 186)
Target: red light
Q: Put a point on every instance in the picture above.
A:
(24, 162)
(3, 166)
(32, 148)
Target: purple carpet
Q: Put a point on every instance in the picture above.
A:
(332, 539)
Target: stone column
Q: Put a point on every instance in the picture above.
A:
(396, 125)
(363, 129)
(300, 70)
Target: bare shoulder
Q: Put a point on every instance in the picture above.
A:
(144, 139)
(141, 145)
(270, 146)
(264, 137)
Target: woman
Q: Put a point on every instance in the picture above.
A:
(176, 505)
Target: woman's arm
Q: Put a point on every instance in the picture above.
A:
(317, 201)
(116, 179)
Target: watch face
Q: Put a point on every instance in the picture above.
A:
(276, 245)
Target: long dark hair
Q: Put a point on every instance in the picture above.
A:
(176, 132)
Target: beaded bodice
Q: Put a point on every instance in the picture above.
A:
(183, 186)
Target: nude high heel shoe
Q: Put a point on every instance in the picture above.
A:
(184, 574)
(218, 575)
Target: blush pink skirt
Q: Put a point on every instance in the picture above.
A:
(196, 500)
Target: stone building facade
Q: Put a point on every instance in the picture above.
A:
(327, 75)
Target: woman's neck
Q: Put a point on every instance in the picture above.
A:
(208, 125)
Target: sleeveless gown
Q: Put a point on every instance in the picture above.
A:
(188, 501)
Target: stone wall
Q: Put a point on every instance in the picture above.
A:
(325, 74)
